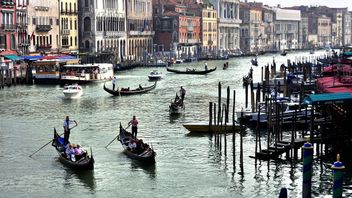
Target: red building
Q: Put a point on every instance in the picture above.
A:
(8, 33)
(177, 27)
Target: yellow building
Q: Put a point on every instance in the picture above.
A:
(68, 25)
(209, 29)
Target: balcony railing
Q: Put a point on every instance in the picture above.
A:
(43, 28)
(8, 27)
(65, 45)
(68, 12)
(2, 46)
(23, 44)
(137, 33)
(43, 47)
(65, 32)
(7, 3)
(110, 34)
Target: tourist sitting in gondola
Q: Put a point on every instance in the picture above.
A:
(132, 145)
(79, 152)
(70, 152)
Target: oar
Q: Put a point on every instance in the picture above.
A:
(48, 143)
(115, 138)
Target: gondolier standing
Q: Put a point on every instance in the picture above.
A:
(67, 128)
(134, 123)
(113, 83)
(183, 93)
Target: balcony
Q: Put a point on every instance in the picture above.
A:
(65, 32)
(23, 44)
(7, 3)
(2, 46)
(140, 33)
(65, 45)
(43, 47)
(113, 34)
(43, 28)
(8, 27)
(87, 34)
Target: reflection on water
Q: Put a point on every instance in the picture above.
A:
(174, 118)
(148, 168)
(86, 178)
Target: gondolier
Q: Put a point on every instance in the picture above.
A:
(134, 123)
(113, 83)
(183, 93)
(67, 128)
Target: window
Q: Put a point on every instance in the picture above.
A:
(75, 24)
(86, 4)
(34, 21)
(75, 40)
(57, 21)
(70, 24)
(71, 41)
(50, 39)
(51, 21)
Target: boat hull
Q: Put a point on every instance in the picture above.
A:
(130, 92)
(203, 127)
(194, 72)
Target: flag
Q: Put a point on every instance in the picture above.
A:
(32, 35)
(145, 25)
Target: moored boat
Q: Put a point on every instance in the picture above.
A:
(177, 106)
(283, 53)
(72, 91)
(81, 162)
(86, 73)
(142, 152)
(190, 71)
(254, 62)
(127, 91)
(203, 127)
(155, 75)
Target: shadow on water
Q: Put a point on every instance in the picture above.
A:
(149, 168)
(85, 177)
(174, 118)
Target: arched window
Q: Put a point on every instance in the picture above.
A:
(87, 44)
(87, 27)
(70, 8)
(98, 46)
(66, 6)
(86, 3)
(71, 41)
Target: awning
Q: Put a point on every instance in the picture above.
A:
(13, 57)
(328, 98)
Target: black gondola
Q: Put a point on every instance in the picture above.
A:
(143, 152)
(283, 53)
(126, 91)
(254, 62)
(190, 71)
(177, 106)
(85, 162)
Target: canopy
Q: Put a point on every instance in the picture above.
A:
(328, 98)
(13, 57)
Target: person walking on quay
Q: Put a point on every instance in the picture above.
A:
(67, 128)
(183, 93)
(113, 83)
(134, 123)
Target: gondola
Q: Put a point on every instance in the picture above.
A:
(283, 53)
(190, 71)
(177, 106)
(143, 152)
(254, 62)
(126, 91)
(85, 162)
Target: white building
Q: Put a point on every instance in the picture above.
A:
(286, 29)
(228, 24)
(102, 29)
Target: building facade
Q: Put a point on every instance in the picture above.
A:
(22, 25)
(286, 28)
(268, 22)
(102, 30)
(139, 29)
(8, 31)
(228, 24)
(324, 31)
(43, 26)
(209, 32)
(68, 26)
(252, 28)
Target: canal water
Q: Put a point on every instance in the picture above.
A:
(186, 166)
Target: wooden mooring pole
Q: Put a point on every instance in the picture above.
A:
(233, 130)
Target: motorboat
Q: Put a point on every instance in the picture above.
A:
(73, 91)
(155, 75)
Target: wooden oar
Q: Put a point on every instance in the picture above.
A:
(115, 138)
(48, 143)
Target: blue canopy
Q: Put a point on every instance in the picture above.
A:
(328, 98)
(32, 58)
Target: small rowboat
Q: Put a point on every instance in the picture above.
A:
(143, 152)
(190, 71)
(72, 91)
(85, 162)
(125, 91)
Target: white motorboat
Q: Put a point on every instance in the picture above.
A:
(155, 75)
(73, 91)
(179, 61)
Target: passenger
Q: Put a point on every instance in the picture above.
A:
(79, 152)
(132, 145)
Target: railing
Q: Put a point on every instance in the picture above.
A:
(43, 47)
(8, 27)
(111, 34)
(2, 46)
(43, 28)
(65, 32)
(136, 33)
(65, 46)
(23, 44)
(7, 3)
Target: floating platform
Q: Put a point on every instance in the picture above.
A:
(203, 127)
